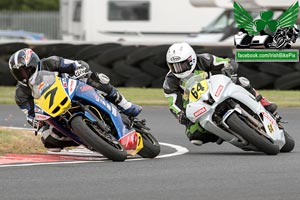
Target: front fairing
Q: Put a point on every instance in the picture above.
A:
(50, 98)
(44, 82)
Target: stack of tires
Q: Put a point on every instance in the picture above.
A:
(145, 66)
(6, 79)
(127, 66)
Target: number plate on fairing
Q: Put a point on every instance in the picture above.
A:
(197, 90)
(54, 100)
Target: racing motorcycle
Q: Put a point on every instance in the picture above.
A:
(234, 115)
(81, 113)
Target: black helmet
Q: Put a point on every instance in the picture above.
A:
(23, 64)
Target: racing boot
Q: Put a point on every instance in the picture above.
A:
(269, 106)
(55, 141)
(128, 108)
(198, 136)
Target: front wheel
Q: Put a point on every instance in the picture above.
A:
(250, 135)
(101, 142)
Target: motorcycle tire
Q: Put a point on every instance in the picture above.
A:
(88, 136)
(151, 146)
(289, 143)
(260, 142)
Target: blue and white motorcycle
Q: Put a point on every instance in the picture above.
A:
(81, 113)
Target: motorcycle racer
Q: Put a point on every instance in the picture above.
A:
(25, 62)
(183, 63)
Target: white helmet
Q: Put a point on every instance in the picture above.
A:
(181, 59)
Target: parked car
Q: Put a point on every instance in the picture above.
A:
(21, 35)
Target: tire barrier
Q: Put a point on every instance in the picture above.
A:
(145, 66)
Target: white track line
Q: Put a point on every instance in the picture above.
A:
(18, 128)
(179, 151)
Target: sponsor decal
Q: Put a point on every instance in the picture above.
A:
(41, 85)
(72, 85)
(38, 110)
(108, 106)
(268, 117)
(41, 117)
(271, 129)
(175, 58)
(219, 90)
(200, 112)
(64, 83)
(85, 88)
(113, 111)
(97, 98)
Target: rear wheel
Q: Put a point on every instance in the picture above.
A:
(251, 136)
(101, 142)
(151, 146)
(289, 143)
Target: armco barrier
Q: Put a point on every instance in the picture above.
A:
(145, 66)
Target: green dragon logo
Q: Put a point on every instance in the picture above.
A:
(253, 27)
(266, 31)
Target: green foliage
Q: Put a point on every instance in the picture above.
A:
(29, 5)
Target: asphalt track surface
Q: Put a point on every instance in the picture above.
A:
(210, 172)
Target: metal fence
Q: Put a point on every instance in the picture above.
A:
(40, 22)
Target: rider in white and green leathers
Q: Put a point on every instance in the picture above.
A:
(183, 62)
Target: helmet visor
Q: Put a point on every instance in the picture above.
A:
(23, 73)
(180, 67)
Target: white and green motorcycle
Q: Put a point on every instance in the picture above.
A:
(234, 115)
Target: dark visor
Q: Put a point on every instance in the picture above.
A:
(23, 73)
(180, 67)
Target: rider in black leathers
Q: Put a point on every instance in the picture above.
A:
(25, 62)
(183, 62)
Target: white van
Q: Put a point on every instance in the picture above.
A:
(133, 21)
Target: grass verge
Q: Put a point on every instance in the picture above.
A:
(155, 96)
(19, 141)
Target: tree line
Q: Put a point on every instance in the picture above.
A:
(29, 5)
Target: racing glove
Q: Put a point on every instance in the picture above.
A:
(34, 123)
(81, 70)
(230, 69)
